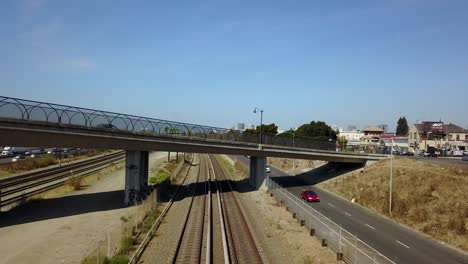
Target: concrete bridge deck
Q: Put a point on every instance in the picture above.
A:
(33, 133)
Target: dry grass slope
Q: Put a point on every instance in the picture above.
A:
(428, 197)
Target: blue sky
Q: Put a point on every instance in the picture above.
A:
(211, 62)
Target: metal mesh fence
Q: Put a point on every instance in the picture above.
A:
(27, 110)
(120, 239)
(338, 239)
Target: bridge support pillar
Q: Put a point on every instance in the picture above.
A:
(136, 176)
(257, 171)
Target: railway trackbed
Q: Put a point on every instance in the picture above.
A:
(213, 227)
(14, 190)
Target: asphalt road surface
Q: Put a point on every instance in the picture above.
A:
(396, 242)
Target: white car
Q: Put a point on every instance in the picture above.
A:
(267, 169)
(17, 158)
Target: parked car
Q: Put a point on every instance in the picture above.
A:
(267, 169)
(310, 196)
(465, 156)
(53, 151)
(17, 158)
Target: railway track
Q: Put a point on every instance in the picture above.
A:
(16, 189)
(198, 237)
(241, 244)
(190, 246)
(213, 227)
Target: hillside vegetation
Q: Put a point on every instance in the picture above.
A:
(428, 197)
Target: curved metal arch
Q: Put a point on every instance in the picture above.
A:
(147, 121)
(119, 116)
(42, 106)
(156, 126)
(95, 115)
(29, 111)
(17, 106)
(168, 125)
(78, 110)
(56, 114)
(180, 127)
(138, 121)
(200, 128)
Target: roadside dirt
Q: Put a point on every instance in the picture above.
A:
(428, 197)
(65, 229)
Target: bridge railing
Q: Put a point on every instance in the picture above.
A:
(28, 110)
(348, 246)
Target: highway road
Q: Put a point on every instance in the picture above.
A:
(398, 243)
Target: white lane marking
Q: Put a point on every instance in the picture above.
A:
(331, 205)
(370, 226)
(347, 214)
(401, 244)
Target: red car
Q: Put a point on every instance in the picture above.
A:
(310, 196)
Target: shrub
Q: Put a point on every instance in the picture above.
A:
(153, 179)
(32, 163)
(162, 175)
(307, 260)
(127, 244)
(94, 260)
(457, 224)
(119, 259)
(75, 183)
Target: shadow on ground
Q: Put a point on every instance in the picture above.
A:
(38, 210)
(315, 176)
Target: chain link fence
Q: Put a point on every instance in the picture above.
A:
(120, 240)
(347, 246)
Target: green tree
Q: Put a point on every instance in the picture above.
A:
(402, 127)
(289, 133)
(266, 129)
(316, 130)
(342, 141)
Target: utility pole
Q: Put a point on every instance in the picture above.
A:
(391, 180)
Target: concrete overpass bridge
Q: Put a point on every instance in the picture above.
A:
(32, 123)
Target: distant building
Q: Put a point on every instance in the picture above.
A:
(371, 138)
(438, 135)
(353, 137)
(240, 127)
(399, 143)
(384, 128)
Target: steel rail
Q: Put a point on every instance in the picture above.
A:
(190, 241)
(221, 217)
(47, 178)
(57, 176)
(141, 248)
(209, 248)
(14, 180)
(23, 195)
(244, 248)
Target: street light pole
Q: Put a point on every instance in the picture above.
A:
(294, 160)
(261, 122)
(391, 179)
